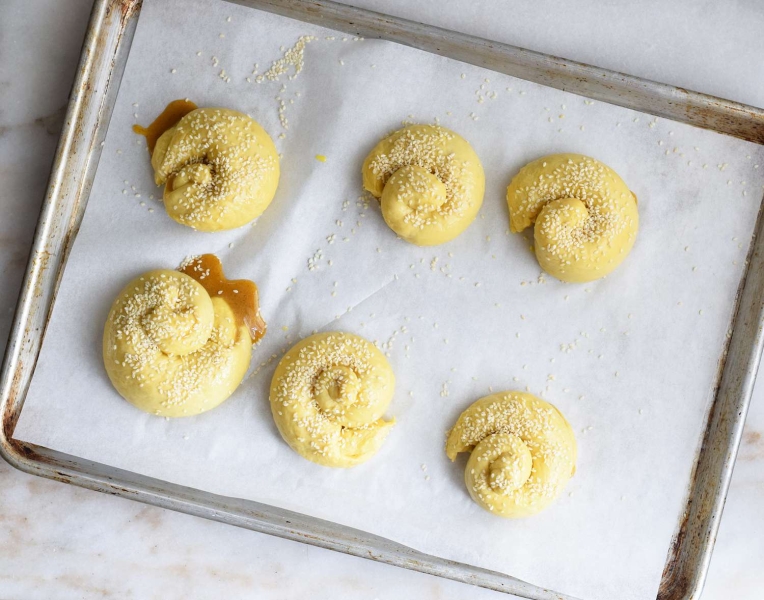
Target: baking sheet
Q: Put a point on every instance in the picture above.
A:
(634, 393)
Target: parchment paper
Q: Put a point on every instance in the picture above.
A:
(630, 359)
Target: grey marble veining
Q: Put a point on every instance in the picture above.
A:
(57, 541)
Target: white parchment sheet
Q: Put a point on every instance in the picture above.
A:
(630, 360)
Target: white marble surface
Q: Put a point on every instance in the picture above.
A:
(57, 541)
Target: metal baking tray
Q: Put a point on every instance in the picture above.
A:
(104, 54)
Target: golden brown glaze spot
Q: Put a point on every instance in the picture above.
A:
(240, 294)
(174, 112)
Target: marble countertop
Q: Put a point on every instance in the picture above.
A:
(58, 541)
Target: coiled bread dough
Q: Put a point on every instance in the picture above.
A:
(220, 169)
(430, 183)
(585, 216)
(328, 395)
(172, 350)
(523, 453)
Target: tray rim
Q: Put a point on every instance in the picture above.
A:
(105, 52)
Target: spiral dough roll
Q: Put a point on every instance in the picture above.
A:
(220, 169)
(429, 181)
(523, 453)
(328, 395)
(585, 216)
(172, 350)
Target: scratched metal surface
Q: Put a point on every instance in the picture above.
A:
(104, 55)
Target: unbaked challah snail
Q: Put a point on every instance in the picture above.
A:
(585, 216)
(429, 181)
(219, 167)
(328, 395)
(523, 452)
(179, 343)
